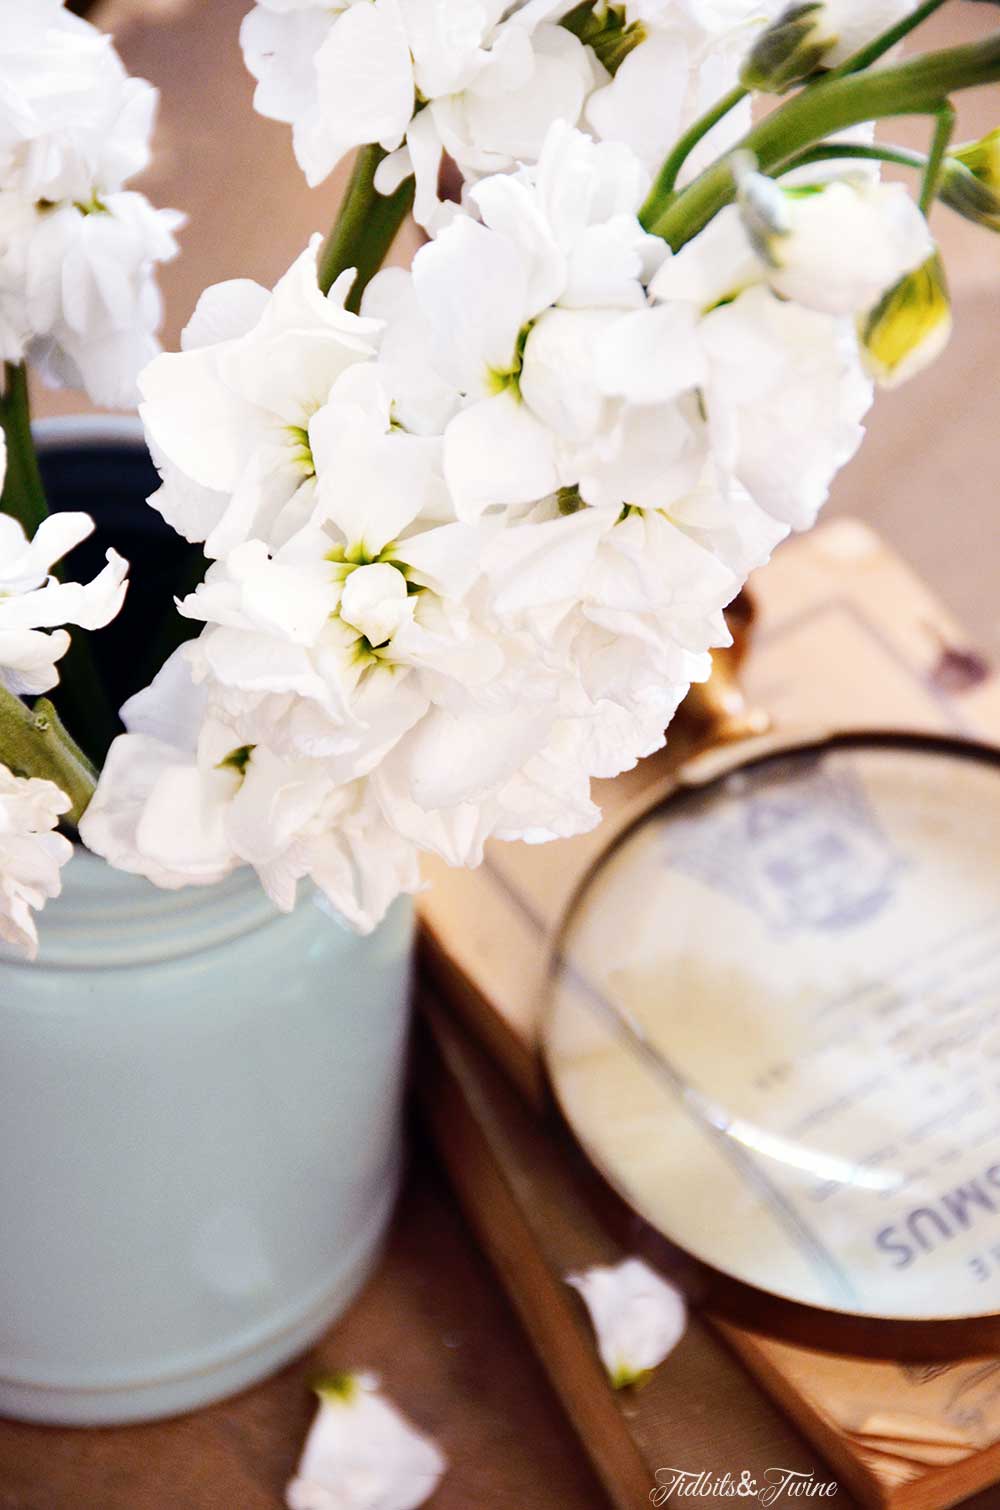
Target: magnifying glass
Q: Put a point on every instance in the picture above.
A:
(773, 1027)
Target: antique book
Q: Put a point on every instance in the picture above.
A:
(845, 638)
(892, 1436)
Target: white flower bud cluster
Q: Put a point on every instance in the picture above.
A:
(78, 249)
(471, 546)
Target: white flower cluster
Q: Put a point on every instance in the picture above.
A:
(77, 249)
(471, 547)
(33, 603)
(31, 855)
(483, 80)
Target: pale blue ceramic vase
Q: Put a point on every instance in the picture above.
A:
(199, 1140)
(200, 1098)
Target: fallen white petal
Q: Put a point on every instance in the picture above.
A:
(639, 1318)
(362, 1454)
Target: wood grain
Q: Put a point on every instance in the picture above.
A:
(433, 1323)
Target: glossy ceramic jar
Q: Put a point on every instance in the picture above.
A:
(199, 1140)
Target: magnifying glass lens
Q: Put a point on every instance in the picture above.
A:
(774, 1026)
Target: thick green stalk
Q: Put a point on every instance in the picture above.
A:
(34, 742)
(365, 227)
(920, 86)
(667, 176)
(23, 493)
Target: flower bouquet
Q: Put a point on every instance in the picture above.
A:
(459, 537)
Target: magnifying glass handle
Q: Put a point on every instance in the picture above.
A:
(718, 711)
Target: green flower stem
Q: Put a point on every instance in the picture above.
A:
(365, 227)
(918, 87)
(666, 179)
(877, 48)
(23, 493)
(944, 128)
(34, 742)
(834, 151)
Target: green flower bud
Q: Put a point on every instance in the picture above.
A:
(603, 27)
(970, 182)
(909, 326)
(982, 158)
(790, 50)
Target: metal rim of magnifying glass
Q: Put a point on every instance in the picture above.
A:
(718, 1292)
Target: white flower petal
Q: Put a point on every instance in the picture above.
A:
(497, 452)
(224, 312)
(157, 814)
(651, 355)
(473, 288)
(361, 1454)
(372, 483)
(785, 400)
(639, 1318)
(561, 380)
(31, 855)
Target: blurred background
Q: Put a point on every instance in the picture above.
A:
(927, 478)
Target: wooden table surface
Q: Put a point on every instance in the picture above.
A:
(433, 1322)
(437, 1328)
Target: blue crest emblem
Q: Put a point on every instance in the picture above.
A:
(797, 841)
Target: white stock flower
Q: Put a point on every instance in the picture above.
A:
(340, 74)
(783, 388)
(91, 293)
(33, 603)
(835, 246)
(31, 855)
(686, 56)
(343, 648)
(531, 77)
(362, 645)
(632, 604)
(472, 546)
(77, 251)
(361, 1454)
(183, 802)
(785, 396)
(638, 1317)
(228, 417)
(489, 78)
(519, 311)
(71, 119)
